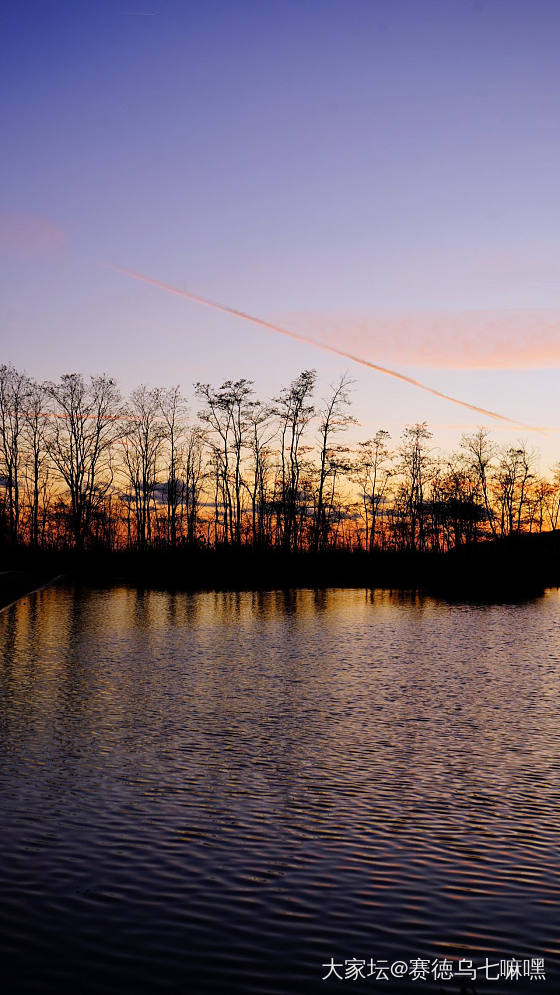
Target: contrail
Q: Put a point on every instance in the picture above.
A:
(318, 345)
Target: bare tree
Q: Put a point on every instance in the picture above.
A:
(537, 498)
(193, 480)
(36, 469)
(173, 411)
(552, 500)
(372, 472)
(228, 417)
(334, 418)
(262, 434)
(415, 462)
(82, 432)
(15, 389)
(294, 410)
(142, 444)
(482, 452)
(455, 507)
(514, 472)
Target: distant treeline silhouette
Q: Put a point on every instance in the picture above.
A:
(82, 468)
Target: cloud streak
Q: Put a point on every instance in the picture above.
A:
(278, 329)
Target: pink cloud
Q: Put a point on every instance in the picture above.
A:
(522, 339)
(27, 236)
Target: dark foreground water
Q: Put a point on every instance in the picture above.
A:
(220, 793)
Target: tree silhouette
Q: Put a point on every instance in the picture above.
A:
(78, 467)
(80, 442)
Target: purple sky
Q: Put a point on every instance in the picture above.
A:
(382, 175)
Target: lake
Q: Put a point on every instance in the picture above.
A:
(245, 792)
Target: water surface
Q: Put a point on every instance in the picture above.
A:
(220, 792)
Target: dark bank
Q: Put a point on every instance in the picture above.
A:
(512, 567)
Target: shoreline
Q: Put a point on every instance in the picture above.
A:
(510, 569)
(18, 584)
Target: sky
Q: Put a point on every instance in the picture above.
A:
(378, 176)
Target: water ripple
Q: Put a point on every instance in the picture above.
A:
(220, 792)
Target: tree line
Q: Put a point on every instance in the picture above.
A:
(82, 467)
